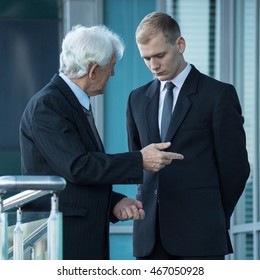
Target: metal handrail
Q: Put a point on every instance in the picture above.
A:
(34, 182)
(39, 234)
(32, 187)
(22, 198)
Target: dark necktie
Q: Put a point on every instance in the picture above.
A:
(167, 110)
(91, 121)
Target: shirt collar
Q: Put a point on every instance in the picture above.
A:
(82, 97)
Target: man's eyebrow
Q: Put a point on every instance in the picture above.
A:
(154, 55)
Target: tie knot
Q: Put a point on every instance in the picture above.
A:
(169, 86)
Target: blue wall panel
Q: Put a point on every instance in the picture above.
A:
(123, 16)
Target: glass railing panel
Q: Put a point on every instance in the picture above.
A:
(3, 236)
(34, 227)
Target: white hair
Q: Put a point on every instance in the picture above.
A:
(83, 47)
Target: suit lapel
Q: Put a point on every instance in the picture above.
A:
(151, 111)
(70, 96)
(184, 103)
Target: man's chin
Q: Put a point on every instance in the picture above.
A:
(162, 78)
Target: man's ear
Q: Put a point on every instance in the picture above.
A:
(92, 71)
(181, 44)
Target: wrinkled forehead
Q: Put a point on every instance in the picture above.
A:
(113, 59)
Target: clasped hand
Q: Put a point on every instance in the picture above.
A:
(129, 209)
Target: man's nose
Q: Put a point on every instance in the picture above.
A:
(154, 64)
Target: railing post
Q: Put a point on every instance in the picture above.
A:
(54, 231)
(3, 232)
(18, 237)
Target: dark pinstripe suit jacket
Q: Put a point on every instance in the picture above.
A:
(198, 194)
(56, 139)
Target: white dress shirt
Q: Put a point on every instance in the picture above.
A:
(82, 97)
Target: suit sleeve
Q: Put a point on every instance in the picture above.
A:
(230, 148)
(134, 142)
(56, 134)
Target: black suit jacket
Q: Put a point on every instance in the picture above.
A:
(56, 139)
(198, 194)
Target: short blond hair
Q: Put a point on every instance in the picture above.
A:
(154, 23)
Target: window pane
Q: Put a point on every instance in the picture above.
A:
(244, 246)
(193, 16)
(244, 209)
(257, 257)
(245, 66)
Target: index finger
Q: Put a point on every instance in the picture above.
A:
(174, 155)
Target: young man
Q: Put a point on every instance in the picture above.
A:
(188, 204)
